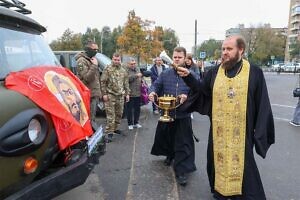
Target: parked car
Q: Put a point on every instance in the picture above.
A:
(32, 166)
(67, 59)
(291, 67)
(278, 67)
(208, 65)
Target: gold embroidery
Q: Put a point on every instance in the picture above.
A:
(229, 127)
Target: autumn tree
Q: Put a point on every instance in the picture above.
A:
(133, 40)
(156, 45)
(265, 42)
(250, 37)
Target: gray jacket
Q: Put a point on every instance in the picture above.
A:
(134, 82)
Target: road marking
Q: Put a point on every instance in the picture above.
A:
(282, 119)
(129, 195)
(285, 106)
(174, 195)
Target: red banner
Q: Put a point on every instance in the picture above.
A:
(58, 91)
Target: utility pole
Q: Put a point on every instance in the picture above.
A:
(101, 40)
(195, 47)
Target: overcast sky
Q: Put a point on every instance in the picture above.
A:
(213, 17)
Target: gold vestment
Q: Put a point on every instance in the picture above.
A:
(229, 129)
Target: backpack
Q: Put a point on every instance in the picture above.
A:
(144, 93)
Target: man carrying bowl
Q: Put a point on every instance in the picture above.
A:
(174, 138)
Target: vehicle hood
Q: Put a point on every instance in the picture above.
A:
(8, 101)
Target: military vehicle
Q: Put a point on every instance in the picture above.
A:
(32, 166)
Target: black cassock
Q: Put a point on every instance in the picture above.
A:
(175, 139)
(259, 126)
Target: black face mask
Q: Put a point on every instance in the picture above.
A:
(90, 52)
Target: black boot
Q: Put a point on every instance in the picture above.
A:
(118, 132)
(181, 179)
(168, 161)
(109, 137)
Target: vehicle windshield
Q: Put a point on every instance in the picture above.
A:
(19, 50)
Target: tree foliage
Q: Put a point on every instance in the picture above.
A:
(68, 41)
(212, 48)
(110, 42)
(264, 42)
(141, 39)
(133, 40)
(170, 40)
(138, 39)
(91, 34)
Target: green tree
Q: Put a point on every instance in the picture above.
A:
(265, 42)
(110, 44)
(105, 40)
(170, 40)
(91, 34)
(68, 41)
(212, 48)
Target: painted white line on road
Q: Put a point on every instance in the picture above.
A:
(285, 106)
(132, 181)
(282, 119)
(174, 195)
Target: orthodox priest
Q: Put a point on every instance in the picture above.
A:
(234, 95)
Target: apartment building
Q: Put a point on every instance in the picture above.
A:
(293, 34)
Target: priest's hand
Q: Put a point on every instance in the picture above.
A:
(105, 98)
(127, 98)
(182, 71)
(151, 96)
(183, 98)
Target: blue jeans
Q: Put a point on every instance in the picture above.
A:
(296, 118)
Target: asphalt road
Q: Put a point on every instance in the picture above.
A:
(128, 171)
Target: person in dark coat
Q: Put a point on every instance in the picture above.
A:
(133, 106)
(156, 70)
(174, 139)
(234, 95)
(191, 65)
(296, 117)
(88, 73)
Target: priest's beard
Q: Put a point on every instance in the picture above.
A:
(231, 62)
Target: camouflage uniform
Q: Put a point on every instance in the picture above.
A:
(114, 84)
(89, 74)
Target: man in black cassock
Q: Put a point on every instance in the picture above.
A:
(174, 139)
(234, 95)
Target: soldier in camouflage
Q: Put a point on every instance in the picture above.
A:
(88, 73)
(114, 87)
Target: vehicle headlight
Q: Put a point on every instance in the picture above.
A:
(34, 131)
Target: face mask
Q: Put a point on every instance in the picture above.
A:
(91, 52)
